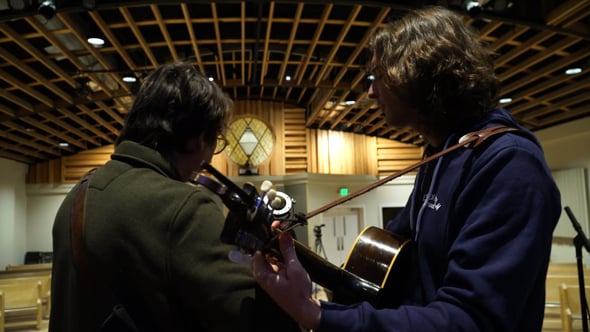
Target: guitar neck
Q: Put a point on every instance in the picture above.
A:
(347, 287)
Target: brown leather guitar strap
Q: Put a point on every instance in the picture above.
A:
(85, 277)
(119, 319)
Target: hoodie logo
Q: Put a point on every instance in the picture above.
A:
(432, 201)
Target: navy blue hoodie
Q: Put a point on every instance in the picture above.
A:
(482, 221)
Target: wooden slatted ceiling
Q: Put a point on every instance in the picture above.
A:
(56, 88)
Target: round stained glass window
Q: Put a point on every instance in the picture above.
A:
(250, 141)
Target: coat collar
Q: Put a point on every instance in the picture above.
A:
(139, 155)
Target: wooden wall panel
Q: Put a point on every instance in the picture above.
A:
(312, 152)
(393, 156)
(45, 172)
(365, 147)
(347, 153)
(339, 152)
(295, 147)
(297, 150)
(74, 167)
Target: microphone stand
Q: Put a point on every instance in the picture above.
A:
(580, 240)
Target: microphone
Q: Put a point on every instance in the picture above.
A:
(581, 236)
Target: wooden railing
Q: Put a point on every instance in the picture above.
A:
(558, 274)
(25, 295)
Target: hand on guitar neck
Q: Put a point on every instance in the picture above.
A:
(288, 283)
(372, 271)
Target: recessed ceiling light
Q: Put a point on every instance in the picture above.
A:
(129, 79)
(573, 71)
(505, 100)
(96, 42)
(64, 144)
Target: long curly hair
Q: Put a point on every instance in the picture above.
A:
(439, 65)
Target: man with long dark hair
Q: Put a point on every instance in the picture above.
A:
(481, 220)
(151, 240)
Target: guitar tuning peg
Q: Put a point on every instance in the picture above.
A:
(271, 194)
(265, 186)
(278, 203)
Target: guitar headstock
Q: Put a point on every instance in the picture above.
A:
(249, 222)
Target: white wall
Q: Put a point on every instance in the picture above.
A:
(43, 202)
(13, 212)
(322, 190)
(567, 147)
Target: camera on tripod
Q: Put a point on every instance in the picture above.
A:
(317, 230)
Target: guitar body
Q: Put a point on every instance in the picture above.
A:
(377, 255)
(380, 257)
(375, 269)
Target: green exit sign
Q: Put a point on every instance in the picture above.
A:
(343, 191)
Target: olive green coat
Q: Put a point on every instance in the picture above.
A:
(156, 240)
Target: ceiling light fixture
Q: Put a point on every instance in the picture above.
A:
(129, 79)
(95, 41)
(573, 71)
(474, 8)
(47, 8)
(94, 35)
(505, 100)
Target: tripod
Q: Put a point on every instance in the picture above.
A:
(318, 291)
(319, 246)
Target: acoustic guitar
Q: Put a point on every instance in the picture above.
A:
(373, 271)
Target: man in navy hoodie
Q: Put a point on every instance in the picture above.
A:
(481, 219)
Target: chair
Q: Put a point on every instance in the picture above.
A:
(571, 313)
